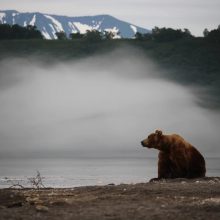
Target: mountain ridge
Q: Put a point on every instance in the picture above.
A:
(49, 24)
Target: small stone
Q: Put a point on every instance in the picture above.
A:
(33, 201)
(212, 181)
(11, 196)
(111, 184)
(42, 208)
(2, 207)
(14, 204)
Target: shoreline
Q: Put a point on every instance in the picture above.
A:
(165, 199)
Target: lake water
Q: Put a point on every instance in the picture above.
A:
(85, 171)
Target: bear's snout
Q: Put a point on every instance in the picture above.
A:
(142, 143)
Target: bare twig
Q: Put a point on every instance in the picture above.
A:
(37, 181)
(13, 184)
(16, 185)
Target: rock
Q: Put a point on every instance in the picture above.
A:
(14, 204)
(2, 207)
(42, 208)
(111, 184)
(34, 201)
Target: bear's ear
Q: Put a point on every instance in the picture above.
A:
(159, 132)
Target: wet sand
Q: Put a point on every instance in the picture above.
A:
(165, 199)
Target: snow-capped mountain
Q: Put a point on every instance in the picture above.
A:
(50, 24)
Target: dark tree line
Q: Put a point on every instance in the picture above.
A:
(164, 34)
(158, 34)
(17, 32)
(90, 35)
(8, 32)
(169, 34)
(213, 35)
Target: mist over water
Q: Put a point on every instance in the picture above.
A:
(99, 106)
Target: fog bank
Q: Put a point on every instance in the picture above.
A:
(104, 105)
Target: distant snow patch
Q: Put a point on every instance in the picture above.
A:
(46, 35)
(53, 31)
(13, 19)
(25, 24)
(32, 22)
(58, 26)
(115, 31)
(82, 27)
(2, 16)
(133, 28)
(96, 25)
(72, 27)
(14, 14)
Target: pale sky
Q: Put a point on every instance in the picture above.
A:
(194, 14)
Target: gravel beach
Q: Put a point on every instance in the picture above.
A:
(165, 199)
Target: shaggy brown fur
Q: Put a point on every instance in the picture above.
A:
(177, 158)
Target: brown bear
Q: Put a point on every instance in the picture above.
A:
(177, 157)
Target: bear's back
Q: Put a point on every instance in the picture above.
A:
(186, 157)
(177, 143)
(197, 166)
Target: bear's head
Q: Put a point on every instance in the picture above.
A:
(153, 140)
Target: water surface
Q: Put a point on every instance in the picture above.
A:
(85, 171)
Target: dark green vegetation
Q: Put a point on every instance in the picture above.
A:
(164, 35)
(189, 60)
(17, 32)
(91, 36)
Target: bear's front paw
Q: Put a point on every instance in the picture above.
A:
(154, 180)
(158, 179)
